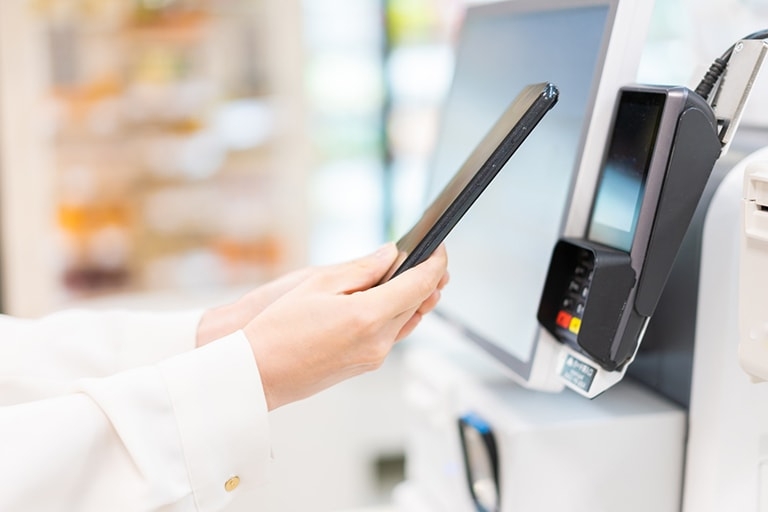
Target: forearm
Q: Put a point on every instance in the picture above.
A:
(167, 436)
(77, 343)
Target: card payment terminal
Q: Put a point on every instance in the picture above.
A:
(601, 290)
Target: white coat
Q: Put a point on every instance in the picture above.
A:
(114, 411)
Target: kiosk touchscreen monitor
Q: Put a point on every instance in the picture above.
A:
(500, 251)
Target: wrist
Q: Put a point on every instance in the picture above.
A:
(264, 365)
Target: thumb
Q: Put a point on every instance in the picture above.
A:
(411, 288)
(361, 273)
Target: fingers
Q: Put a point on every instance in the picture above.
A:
(414, 317)
(257, 300)
(359, 274)
(409, 326)
(411, 288)
(444, 281)
(429, 304)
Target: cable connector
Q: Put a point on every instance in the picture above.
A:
(732, 76)
(735, 86)
(711, 77)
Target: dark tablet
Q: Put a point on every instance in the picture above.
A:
(485, 162)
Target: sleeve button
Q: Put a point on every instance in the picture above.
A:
(231, 484)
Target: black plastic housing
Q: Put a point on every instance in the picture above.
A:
(609, 290)
(626, 285)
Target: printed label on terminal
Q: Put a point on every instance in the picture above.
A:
(578, 373)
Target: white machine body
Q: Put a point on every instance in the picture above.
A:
(627, 448)
(727, 453)
(557, 451)
(753, 300)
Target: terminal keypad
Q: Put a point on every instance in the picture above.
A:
(572, 306)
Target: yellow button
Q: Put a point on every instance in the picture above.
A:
(575, 325)
(231, 484)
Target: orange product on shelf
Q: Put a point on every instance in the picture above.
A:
(78, 101)
(181, 26)
(266, 250)
(81, 219)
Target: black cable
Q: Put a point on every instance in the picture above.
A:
(717, 68)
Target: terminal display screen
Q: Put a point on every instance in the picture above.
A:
(622, 182)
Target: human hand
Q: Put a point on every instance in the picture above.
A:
(333, 323)
(223, 320)
(220, 321)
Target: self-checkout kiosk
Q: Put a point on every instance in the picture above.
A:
(585, 356)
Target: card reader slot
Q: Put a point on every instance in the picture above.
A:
(755, 222)
(756, 204)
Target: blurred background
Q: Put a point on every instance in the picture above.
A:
(173, 153)
(154, 145)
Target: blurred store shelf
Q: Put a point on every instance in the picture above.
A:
(156, 145)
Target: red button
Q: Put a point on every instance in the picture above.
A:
(563, 319)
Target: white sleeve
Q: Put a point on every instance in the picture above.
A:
(79, 343)
(187, 434)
